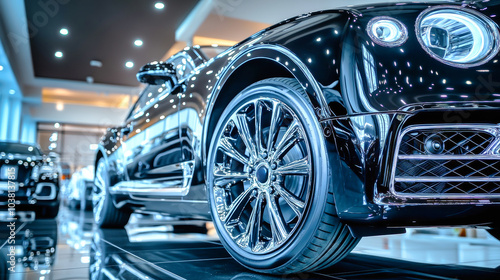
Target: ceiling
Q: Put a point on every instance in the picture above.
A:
(104, 31)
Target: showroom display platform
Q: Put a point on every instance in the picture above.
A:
(149, 248)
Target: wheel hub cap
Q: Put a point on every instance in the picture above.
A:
(262, 174)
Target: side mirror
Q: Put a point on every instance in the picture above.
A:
(157, 73)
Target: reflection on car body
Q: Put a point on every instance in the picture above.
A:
(317, 131)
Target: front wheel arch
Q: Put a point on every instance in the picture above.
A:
(264, 64)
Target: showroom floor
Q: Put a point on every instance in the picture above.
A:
(149, 250)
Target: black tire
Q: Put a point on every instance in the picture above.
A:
(318, 239)
(51, 212)
(106, 215)
(74, 204)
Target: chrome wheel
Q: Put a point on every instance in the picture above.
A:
(99, 193)
(261, 175)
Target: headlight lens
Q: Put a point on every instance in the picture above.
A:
(387, 31)
(457, 36)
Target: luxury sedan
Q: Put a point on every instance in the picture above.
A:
(317, 131)
(29, 183)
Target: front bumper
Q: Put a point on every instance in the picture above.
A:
(369, 150)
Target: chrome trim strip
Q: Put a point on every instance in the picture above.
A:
(491, 129)
(449, 157)
(172, 187)
(446, 179)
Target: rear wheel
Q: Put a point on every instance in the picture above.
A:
(268, 183)
(106, 215)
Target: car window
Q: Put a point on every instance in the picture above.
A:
(148, 97)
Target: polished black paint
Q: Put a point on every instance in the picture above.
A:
(363, 94)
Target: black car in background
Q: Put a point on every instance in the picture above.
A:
(317, 131)
(29, 182)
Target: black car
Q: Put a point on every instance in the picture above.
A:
(29, 182)
(317, 131)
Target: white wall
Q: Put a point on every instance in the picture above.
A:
(78, 114)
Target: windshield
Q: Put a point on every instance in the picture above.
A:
(16, 148)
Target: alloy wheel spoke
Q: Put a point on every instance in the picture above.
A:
(228, 148)
(288, 139)
(296, 204)
(278, 228)
(225, 177)
(238, 205)
(297, 167)
(254, 223)
(274, 128)
(250, 237)
(258, 126)
(244, 132)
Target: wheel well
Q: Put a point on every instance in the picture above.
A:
(97, 158)
(245, 75)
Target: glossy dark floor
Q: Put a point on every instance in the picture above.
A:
(148, 249)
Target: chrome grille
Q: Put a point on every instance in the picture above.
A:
(467, 162)
(456, 142)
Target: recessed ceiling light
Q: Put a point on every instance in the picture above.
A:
(159, 5)
(138, 42)
(12, 91)
(129, 64)
(57, 125)
(58, 54)
(64, 31)
(1, 68)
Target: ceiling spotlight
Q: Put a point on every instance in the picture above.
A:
(12, 91)
(159, 5)
(129, 64)
(59, 106)
(138, 42)
(57, 125)
(1, 68)
(64, 31)
(58, 54)
(96, 63)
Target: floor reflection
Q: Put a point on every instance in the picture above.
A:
(154, 247)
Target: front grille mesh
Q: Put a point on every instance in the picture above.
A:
(456, 143)
(465, 165)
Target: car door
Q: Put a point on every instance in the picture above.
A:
(150, 138)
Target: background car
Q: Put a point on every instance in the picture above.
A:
(79, 188)
(315, 132)
(31, 179)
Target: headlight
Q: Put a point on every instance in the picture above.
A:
(457, 36)
(387, 31)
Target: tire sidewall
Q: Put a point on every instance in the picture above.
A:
(107, 198)
(311, 220)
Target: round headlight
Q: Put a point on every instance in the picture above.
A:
(457, 36)
(387, 31)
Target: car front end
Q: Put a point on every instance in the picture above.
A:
(30, 183)
(419, 145)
